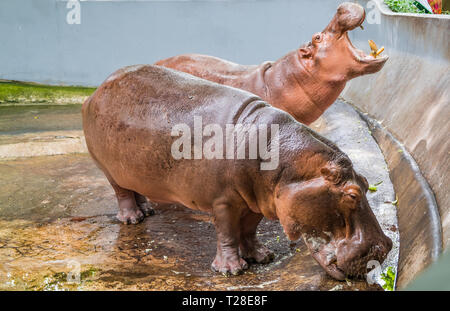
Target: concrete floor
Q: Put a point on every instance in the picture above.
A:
(57, 222)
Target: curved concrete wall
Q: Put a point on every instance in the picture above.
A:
(410, 98)
(411, 95)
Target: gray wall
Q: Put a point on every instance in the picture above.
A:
(38, 45)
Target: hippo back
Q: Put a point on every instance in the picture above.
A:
(129, 119)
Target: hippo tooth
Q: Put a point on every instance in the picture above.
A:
(373, 46)
(379, 51)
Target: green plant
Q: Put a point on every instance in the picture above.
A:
(403, 6)
(374, 187)
(389, 278)
(30, 93)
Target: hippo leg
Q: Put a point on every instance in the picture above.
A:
(251, 249)
(129, 211)
(144, 205)
(226, 222)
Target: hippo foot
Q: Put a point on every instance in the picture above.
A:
(144, 205)
(130, 216)
(258, 254)
(230, 266)
(147, 209)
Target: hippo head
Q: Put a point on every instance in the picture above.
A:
(331, 212)
(330, 52)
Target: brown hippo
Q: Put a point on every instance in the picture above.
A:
(306, 81)
(132, 123)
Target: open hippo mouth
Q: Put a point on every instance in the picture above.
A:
(372, 58)
(348, 17)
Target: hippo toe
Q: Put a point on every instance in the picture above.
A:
(227, 266)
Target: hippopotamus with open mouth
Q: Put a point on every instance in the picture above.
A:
(306, 81)
(132, 123)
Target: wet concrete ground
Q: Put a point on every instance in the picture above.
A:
(58, 230)
(39, 118)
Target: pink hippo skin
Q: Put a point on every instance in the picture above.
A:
(312, 189)
(305, 82)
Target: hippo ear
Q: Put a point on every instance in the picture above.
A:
(331, 174)
(305, 52)
(365, 183)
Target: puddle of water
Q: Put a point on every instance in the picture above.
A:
(38, 118)
(60, 214)
(46, 188)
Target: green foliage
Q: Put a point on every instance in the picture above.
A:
(29, 93)
(389, 278)
(374, 187)
(403, 6)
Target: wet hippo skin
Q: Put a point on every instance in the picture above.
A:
(313, 191)
(305, 82)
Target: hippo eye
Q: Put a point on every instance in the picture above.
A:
(352, 200)
(318, 38)
(351, 196)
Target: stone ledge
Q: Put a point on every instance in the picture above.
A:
(42, 144)
(418, 214)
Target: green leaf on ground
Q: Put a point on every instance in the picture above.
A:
(395, 202)
(389, 278)
(374, 187)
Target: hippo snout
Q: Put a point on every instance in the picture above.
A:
(353, 257)
(348, 16)
(348, 257)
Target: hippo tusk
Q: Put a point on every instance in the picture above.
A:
(373, 46)
(379, 51)
(375, 51)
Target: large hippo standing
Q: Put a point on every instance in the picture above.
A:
(306, 81)
(313, 190)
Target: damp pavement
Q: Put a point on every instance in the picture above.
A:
(58, 229)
